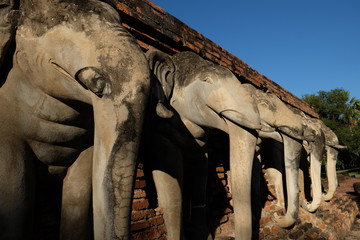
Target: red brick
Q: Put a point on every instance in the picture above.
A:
(198, 44)
(140, 184)
(139, 173)
(228, 210)
(123, 8)
(141, 214)
(143, 45)
(275, 229)
(139, 193)
(313, 235)
(265, 220)
(162, 229)
(156, 221)
(156, 7)
(220, 169)
(151, 233)
(136, 226)
(139, 204)
(266, 231)
(221, 175)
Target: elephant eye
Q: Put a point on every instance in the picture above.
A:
(207, 79)
(58, 68)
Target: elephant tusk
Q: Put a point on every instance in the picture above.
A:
(338, 146)
(239, 119)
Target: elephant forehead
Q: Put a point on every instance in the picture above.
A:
(264, 102)
(62, 45)
(44, 15)
(69, 40)
(191, 67)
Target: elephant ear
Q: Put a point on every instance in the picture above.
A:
(9, 16)
(162, 66)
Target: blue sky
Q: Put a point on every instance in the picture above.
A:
(303, 45)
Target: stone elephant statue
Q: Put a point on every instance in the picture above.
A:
(78, 79)
(316, 136)
(332, 148)
(325, 140)
(179, 166)
(205, 95)
(290, 132)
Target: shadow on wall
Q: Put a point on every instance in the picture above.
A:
(218, 192)
(219, 197)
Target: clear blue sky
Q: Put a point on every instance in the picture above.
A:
(303, 45)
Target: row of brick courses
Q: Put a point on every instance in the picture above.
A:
(155, 28)
(146, 220)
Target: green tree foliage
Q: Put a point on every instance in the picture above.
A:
(342, 115)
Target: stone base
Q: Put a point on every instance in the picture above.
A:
(336, 219)
(333, 220)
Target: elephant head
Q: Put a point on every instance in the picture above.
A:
(206, 95)
(288, 129)
(315, 151)
(332, 148)
(78, 73)
(276, 114)
(203, 93)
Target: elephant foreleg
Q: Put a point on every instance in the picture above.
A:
(76, 199)
(169, 198)
(292, 152)
(167, 172)
(242, 151)
(197, 187)
(276, 178)
(275, 168)
(331, 154)
(16, 192)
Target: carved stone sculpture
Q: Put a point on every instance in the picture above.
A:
(315, 151)
(316, 136)
(288, 130)
(332, 148)
(206, 95)
(326, 140)
(179, 167)
(78, 79)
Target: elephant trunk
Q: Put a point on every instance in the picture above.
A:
(118, 121)
(331, 154)
(292, 150)
(114, 163)
(316, 154)
(242, 150)
(240, 119)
